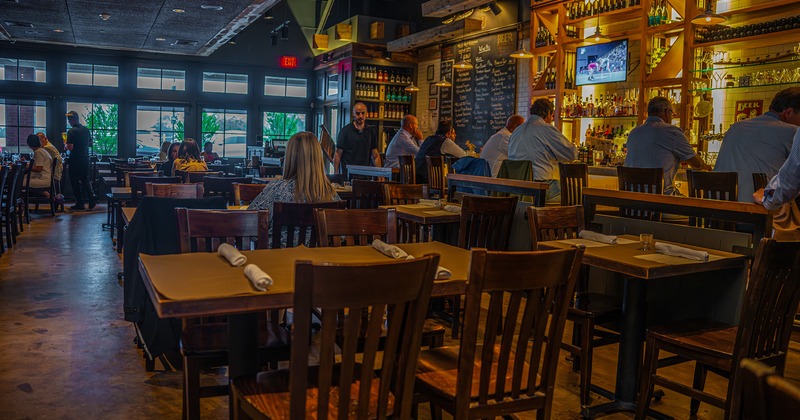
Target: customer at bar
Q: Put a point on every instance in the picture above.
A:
(54, 153)
(356, 143)
(405, 142)
(495, 151)
(41, 166)
(189, 159)
(304, 179)
(441, 143)
(761, 144)
(658, 144)
(538, 141)
(78, 141)
(166, 167)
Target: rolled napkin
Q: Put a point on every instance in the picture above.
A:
(443, 273)
(389, 250)
(452, 208)
(427, 202)
(683, 252)
(230, 253)
(597, 237)
(258, 278)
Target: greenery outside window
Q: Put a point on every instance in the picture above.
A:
(18, 119)
(156, 124)
(23, 70)
(102, 120)
(227, 129)
(282, 125)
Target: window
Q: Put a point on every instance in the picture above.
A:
(102, 122)
(18, 119)
(285, 86)
(163, 79)
(92, 75)
(225, 83)
(227, 129)
(155, 125)
(333, 85)
(282, 125)
(23, 70)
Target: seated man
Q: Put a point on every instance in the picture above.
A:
(41, 168)
(49, 148)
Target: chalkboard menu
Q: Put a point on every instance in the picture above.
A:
(481, 99)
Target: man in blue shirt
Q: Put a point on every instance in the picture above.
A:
(405, 142)
(785, 186)
(538, 141)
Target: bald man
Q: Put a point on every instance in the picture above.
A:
(356, 143)
(405, 142)
(495, 151)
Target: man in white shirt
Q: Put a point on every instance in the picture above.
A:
(405, 142)
(41, 168)
(54, 153)
(495, 151)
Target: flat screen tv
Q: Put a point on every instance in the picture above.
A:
(602, 63)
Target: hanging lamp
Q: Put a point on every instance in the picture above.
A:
(522, 52)
(708, 17)
(443, 83)
(411, 88)
(597, 36)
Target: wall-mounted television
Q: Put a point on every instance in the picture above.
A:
(602, 63)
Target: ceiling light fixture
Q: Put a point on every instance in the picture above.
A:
(463, 64)
(443, 83)
(597, 36)
(178, 10)
(522, 52)
(58, 30)
(495, 8)
(104, 16)
(268, 15)
(161, 39)
(210, 7)
(708, 17)
(232, 41)
(411, 88)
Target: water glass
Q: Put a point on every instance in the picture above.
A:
(647, 241)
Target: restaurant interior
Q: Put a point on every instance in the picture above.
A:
(285, 273)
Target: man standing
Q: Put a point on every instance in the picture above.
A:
(405, 142)
(40, 170)
(356, 142)
(54, 153)
(495, 151)
(78, 138)
(658, 144)
(761, 144)
(539, 142)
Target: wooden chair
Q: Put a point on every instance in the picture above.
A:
(350, 388)
(296, 223)
(436, 183)
(174, 190)
(355, 227)
(714, 186)
(408, 169)
(36, 200)
(4, 230)
(511, 367)
(9, 195)
(269, 171)
(759, 180)
(121, 170)
(243, 194)
(222, 186)
(765, 395)
(589, 309)
(337, 178)
(367, 194)
(129, 174)
(643, 180)
(138, 188)
(515, 169)
(763, 333)
(398, 194)
(574, 177)
(204, 341)
(195, 177)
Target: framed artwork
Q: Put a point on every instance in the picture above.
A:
(430, 72)
(432, 104)
(433, 90)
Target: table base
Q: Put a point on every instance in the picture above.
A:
(622, 406)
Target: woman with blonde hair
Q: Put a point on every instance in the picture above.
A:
(163, 153)
(304, 179)
(189, 159)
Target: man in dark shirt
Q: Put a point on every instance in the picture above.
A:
(356, 142)
(78, 139)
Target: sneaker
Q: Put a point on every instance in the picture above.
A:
(92, 204)
(77, 207)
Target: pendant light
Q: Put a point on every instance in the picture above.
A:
(597, 36)
(521, 52)
(463, 64)
(411, 88)
(708, 17)
(443, 83)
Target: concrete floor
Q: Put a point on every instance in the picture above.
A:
(67, 353)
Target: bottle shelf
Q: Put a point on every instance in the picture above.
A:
(608, 18)
(375, 82)
(610, 117)
(666, 28)
(726, 65)
(743, 87)
(755, 41)
(383, 102)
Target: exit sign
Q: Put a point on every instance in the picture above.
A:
(288, 61)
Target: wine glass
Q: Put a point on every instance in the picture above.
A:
(646, 239)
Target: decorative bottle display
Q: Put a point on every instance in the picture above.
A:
(721, 33)
(569, 68)
(581, 9)
(604, 105)
(544, 37)
(659, 13)
(383, 75)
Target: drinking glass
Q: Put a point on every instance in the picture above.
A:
(646, 239)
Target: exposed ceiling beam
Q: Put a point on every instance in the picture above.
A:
(249, 15)
(442, 8)
(435, 35)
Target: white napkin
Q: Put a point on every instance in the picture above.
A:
(679, 251)
(257, 277)
(234, 257)
(427, 202)
(389, 250)
(597, 237)
(397, 253)
(452, 208)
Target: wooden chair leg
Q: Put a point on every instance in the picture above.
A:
(436, 412)
(699, 382)
(586, 360)
(646, 380)
(456, 324)
(191, 388)
(577, 327)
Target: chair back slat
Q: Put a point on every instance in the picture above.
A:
(397, 194)
(486, 222)
(537, 287)
(243, 194)
(138, 182)
(554, 223)
(435, 169)
(174, 190)
(574, 177)
(296, 221)
(205, 230)
(367, 194)
(196, 176)
(714, 186)
(400, 306)
(408, 169)
(357, 227)
(221, 186)
(643, 180)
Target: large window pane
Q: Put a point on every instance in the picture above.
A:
(18, 119)
(92, 75)
(224, 83)
(296, 88)
(23, 70)
(173, 79)
(106, 76)
(155, 125)
(227, 130)
(148, 78)
(102, 120)
(214, 82)
(274, 86)
(236, 83)
(282, 125)
(79, 74)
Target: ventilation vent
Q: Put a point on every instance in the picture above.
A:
(18, 24)
(185, 42)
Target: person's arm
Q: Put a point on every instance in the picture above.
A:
(449, 147)
(38, 165)
(376, 158)
(785, 186)
(562, 148)
(337, 158)
(697, 163)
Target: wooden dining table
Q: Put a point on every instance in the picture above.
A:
(657, 289)
(427, 219)
(204, 284)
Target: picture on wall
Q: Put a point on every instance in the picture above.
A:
(433, 90)
(430, 73)
(432, 104)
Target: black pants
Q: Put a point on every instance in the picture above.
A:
(79, 174)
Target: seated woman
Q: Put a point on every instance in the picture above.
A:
(41, 168)
(166, 167)
(304, 179)
(209, 155)
(163, 152)
(189, 159)
(442, 143)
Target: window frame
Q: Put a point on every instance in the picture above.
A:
(225, 91)
(94, 66)
(17, 79)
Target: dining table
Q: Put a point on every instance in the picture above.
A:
(205, 284)
(428, 221)
(659, 288)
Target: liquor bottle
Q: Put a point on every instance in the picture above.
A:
(665, 15)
